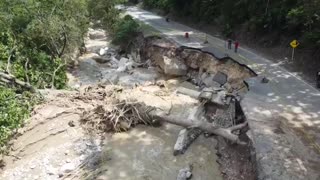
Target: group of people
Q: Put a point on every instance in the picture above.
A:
(236, 45)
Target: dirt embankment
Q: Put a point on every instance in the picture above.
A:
(197, 61)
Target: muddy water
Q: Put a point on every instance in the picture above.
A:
(146, 153)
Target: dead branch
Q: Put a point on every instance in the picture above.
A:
(26, 70)
(54, 74)
(9, 59)
(11, 79)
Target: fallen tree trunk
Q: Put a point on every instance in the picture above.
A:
(7, 78)
(185, 138)
(197, 119)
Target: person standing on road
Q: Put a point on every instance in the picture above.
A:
(318, 79)
(229, 41)
(236, 46)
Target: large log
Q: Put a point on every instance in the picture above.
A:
(197, 119)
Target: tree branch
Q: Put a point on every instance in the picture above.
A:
(7, 78)
(9, 60)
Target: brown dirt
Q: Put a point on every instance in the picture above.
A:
(236, 162)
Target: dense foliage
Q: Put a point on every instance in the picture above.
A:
(125, 30)
(297, 18)
(14, 108)
(36, 39)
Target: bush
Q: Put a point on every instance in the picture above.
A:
(125, 30)
(14, 108)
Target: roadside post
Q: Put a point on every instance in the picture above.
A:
(294, 44)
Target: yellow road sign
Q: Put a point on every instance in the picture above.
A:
(294, 44)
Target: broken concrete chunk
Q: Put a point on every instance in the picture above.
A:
(189, 92)
(219, 98)
(173, 66)
(208, 80)
(220, 78)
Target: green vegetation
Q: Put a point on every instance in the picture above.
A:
(125, 30)
(36, 40)
(36, 36)
(14, 108)
(296, 18)
(122, 29)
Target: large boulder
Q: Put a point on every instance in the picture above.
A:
(174, 66)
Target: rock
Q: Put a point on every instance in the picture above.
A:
(173, 66)
(264, 80)
(96, 34)
(100, 59)
(68, 167)
(51, 170)
(184, 174)
(71, 123)
(122, 64)
(103, 51)
(82, 157)
(20, 131)
(130, 65)
(32, 166)
(220, 78)
(144, 75)
(114, 62)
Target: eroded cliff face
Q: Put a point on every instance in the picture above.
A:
(198, 65)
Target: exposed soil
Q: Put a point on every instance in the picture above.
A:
(236, 162)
